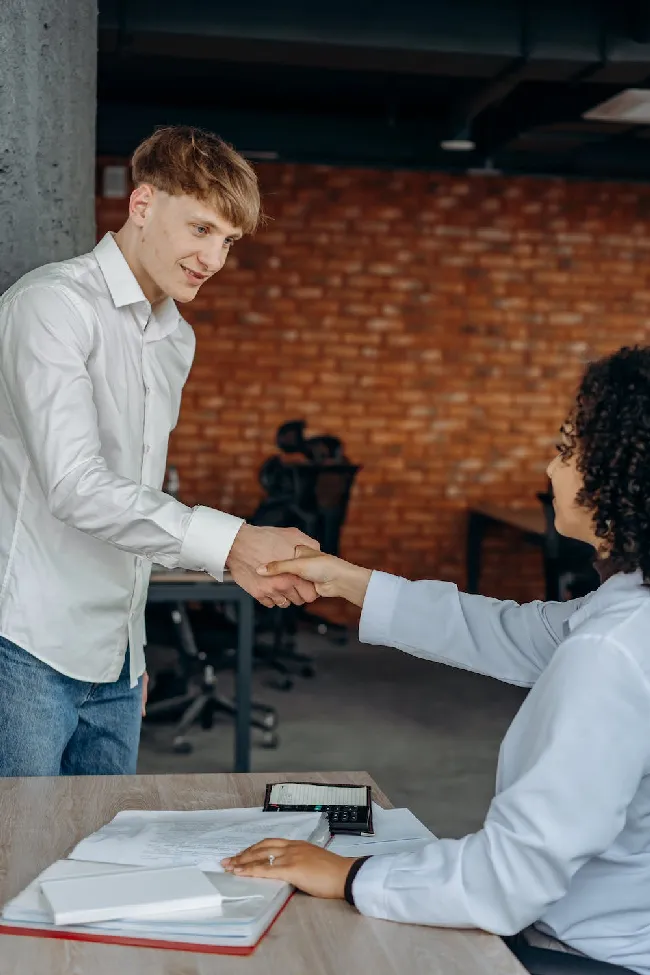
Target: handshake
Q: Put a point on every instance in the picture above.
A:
(281, 566)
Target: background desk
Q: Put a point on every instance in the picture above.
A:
(530, 521)
(41, 819)
(175, 587)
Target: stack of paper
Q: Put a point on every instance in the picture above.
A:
(189, 839)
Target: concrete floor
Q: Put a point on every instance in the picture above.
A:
(428, 734)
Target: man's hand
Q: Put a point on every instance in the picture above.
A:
(145, 692)
(254, 546)
(307, 867)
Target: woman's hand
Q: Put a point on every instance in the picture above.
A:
(331, 576)
(307, 867)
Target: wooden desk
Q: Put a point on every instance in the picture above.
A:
(41, 819)
(180, 586)
(530, 521)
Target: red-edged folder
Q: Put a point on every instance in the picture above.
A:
(109, 939)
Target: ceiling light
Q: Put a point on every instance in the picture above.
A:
(461, 141)
(458, 145)
(631, 105)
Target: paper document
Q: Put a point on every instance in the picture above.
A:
(201, 839)
(396, 831)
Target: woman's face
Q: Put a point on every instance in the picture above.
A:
(571, 519)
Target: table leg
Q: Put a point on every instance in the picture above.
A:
(244, 680)
(475, 532)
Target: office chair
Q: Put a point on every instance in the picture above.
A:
(198, 698)
(313, 497)
(332, 486)
(568, 563)
(331, 500)
(316, 505)
(545, 961)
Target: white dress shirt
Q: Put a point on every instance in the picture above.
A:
(566, 841)
(90, 387)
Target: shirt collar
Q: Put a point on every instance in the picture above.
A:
(619, 582)
(119, 277)
(125, 290)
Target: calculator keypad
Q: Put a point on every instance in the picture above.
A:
(342, 814)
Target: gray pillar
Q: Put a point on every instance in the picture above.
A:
(48, 74)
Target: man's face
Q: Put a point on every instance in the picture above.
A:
(183, 241)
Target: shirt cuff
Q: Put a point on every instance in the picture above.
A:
(208, 540)
(368, 887)
(379, 607)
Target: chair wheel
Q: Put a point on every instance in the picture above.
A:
(269, 739)
(182, 747)
(308, 671)
(270, 720)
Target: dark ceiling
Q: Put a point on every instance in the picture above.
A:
(379, 83)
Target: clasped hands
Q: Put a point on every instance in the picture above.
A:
(281, 566)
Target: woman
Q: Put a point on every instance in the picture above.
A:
(566, 842)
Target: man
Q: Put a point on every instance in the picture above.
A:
(93, 358)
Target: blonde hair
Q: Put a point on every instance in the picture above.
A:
(180, 159)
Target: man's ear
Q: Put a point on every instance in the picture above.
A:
(140, 203)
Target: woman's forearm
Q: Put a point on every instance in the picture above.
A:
(353, 583)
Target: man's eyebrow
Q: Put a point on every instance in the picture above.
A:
(237, 234)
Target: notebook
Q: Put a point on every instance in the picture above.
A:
(141, 893)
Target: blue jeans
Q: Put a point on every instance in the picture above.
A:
(51, 724)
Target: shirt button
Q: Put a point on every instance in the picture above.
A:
(147, 448)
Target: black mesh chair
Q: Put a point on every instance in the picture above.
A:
(307, 488)
(205, 641)
(317, 506)
(568, 563)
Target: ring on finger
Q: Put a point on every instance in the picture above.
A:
(271, 859)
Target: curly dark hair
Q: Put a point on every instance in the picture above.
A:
(608, 431)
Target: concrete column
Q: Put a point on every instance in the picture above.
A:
(48, 74)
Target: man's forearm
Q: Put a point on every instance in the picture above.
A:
(143, 520)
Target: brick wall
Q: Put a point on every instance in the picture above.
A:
(438, 324)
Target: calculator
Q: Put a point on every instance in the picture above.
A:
(348, 808)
